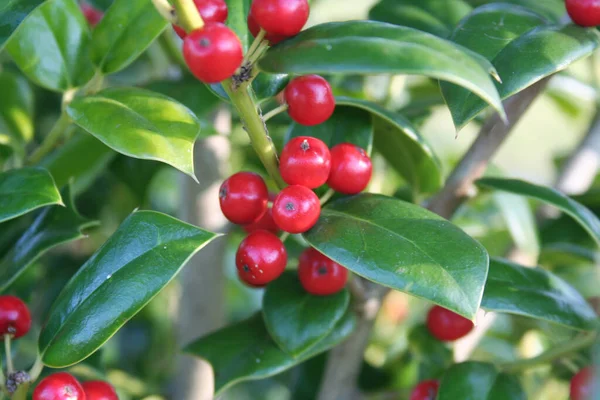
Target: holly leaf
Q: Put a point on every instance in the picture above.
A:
(16, 111)
(12, 14)
(479, 381)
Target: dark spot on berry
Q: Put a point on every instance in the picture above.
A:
(11, 330)
(204, 42)
(305, 146)
(290, 206)
(361, 151)
(222, 193)
(322, 270)
(246, 268)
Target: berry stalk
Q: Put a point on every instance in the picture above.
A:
(188, 16)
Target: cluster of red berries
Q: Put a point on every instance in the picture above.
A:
(15, 322)
(584, 12)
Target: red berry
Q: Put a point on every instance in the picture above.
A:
(99, 390)
(425, 390)
(254, 29)
(280, 17)
(319, 274)
(446, 325)
(243, 197)
(581, 384)
(91, 14)
(305, 161)
(210, 11)
(351, 169)
(59, 386)
(265, 223)
(296, 209)
(213, 53)
(15, 318)
(310, 100)
(584, 12)
(261, 258)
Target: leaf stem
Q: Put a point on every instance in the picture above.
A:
(257, 41)
(556, 352)
(51, 139)
(9, 363)
(188, 16)
(259, 52)
(274, 112)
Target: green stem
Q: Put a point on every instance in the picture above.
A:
(21, 392)
(274, 112)
(258, 52)
(169, 46)
(9, 364)
(36, 369)
(188, 16)
(2, 378)
(328, 195)
(554, 353)
(283, 237)
(51, 139)
(164, 8)
(257, 130)
(255, 44)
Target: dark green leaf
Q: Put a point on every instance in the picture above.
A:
(432, 355)
(402, 146)
(134, 264)
(268, 85)
(297, 320)
(581, 214)
(238, 11)
(479, 381)
(51, 46)
(551, 9)
(140, 124)
(189, 92)
(53, 226)
(347, 124)
(368, 47)
(16, 110)
(125, 31)
(535, 293)
(12, 13)
(245, 351)
(433, 16)
(404, 247)
(24, 190)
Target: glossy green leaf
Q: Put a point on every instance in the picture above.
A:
(16, 110)
(53, 226)
(402, 146)
(431, 355)
(51, 46)
(521, 53)
(520, 221)
(368, 47)
(134, 264)
(433, 16)
(245, 351)
(297, 320)
(535, 293)
(140, 124)
(12, 13)
(264, 86)
(238, 11)
(346, 125)
(125, 31)
(24, 190)
(554, 10)
(586, 218)
(188, 91)
(479, 381)
(404, 247)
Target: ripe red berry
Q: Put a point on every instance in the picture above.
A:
(261, 258)
(310, 100)
(265, 223)
(319, 274)
(59, 386)
(584, 12)
(305, 161)
(99, 390)
(213, 53)
(280, 17)
(254, 29)
(15, 318)
(446, 325)
(581, 385)
(243, 197)
(425, 390)
(210, 11)
(351, 169)
(296, 209)
(91, 14)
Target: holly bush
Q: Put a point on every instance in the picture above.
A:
(373, 260)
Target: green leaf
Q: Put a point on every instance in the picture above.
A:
(140, 124)
(24, 190)
(134, 264)
(479, 381)
(581, 214)
(12, 13)
(237, 15)
(433, 16)
(53, 226)
(297, 320)
(51, 46)
(188, 91)
(404, 247)
(245, 351)
(16, 110)
(266, 85)
(368, 47)
(402, 146)
(514, 47)
(125, 31)
(535, 293)
(520, 221)
(346, 125)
